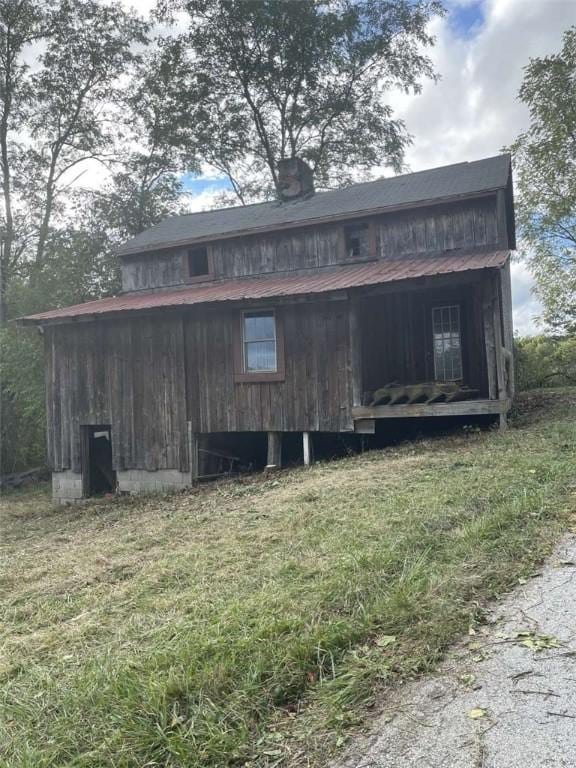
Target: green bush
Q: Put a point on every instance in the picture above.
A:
(545, 361)
(22, 409)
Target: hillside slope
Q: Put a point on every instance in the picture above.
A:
(252, 622)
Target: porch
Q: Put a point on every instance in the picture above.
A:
(435, 348)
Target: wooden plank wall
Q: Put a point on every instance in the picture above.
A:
(315, 394)
(149, 376)
(129, 374)
(397, 337)
(441, 228)
(463, 225)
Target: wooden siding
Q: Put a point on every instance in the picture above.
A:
(465, 225)
(441, 228)
(128, 374)
(148, 376)
(314, 395)
(396, 334)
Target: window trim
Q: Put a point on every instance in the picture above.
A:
(433, 308)
(188, 278)
(243, 376)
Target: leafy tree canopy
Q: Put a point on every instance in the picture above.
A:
(262, 80)
(545, 163)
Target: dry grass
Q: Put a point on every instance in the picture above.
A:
(251, 622)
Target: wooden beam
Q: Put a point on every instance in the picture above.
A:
(364, 426)
(506, 297)
(193, 447)
(461, 408)
(502, 219)
(274, 450)
(489, 337)
(306, 448)
(355, 341)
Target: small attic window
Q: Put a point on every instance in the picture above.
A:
(198, 262)
(357, 238)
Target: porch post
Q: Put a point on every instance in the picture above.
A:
(355, 340)
(306, 447)
(274, 450)
(193, 450)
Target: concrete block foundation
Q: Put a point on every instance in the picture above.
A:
(67, 485)
(142, 480)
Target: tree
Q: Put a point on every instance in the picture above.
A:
(64, 108)
(264, 80)
(545, 164)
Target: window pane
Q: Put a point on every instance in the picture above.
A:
(259, 327)
(447, 343)
(260, 356)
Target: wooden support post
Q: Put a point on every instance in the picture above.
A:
(306, 447)
(274, 450)
(503, 421)
(489, 337)
(506, 297)
(355, 341)
(193, 445)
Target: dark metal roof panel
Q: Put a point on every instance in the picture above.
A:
(431, 185)
(270, 286)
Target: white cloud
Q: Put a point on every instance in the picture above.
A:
(473, 112)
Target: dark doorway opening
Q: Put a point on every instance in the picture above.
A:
(98, 476)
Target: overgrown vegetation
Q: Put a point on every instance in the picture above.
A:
(252, 622)
(544, 157)
(545, 361)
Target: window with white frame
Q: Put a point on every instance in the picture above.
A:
(447, 343)
(259, 341)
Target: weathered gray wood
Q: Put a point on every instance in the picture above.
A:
(274, 460)
(507, 319)
(467, 224)
(355, 357)
(489, 337)
(502, 219)
(463, 408)
(364, 426)
(193, 449)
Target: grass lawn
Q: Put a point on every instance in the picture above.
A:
(254, 622)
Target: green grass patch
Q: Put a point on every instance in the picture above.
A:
(253, 622)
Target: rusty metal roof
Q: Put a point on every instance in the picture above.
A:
(285, 284)
(432, 185)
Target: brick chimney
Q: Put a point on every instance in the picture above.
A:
(295, 179)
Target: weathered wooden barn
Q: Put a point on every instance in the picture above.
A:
(317, 313)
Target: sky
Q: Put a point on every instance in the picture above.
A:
(473, 111)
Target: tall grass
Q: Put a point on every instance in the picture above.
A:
(255, 621)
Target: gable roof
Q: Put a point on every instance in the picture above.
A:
(270, 286)
(433, 185)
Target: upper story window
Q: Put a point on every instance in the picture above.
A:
(259, 342)
(447, 343)
(357, 238)
(198, 262)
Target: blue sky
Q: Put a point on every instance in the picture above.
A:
(465, 19)
(198, 186)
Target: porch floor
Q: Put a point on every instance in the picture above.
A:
(462, 408)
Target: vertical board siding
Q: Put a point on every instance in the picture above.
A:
(464, 225)
(397, 337)
(460, 226)
(129, 374)
(313, 396)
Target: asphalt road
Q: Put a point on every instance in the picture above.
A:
(510, 675)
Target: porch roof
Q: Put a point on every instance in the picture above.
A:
(278, 285)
